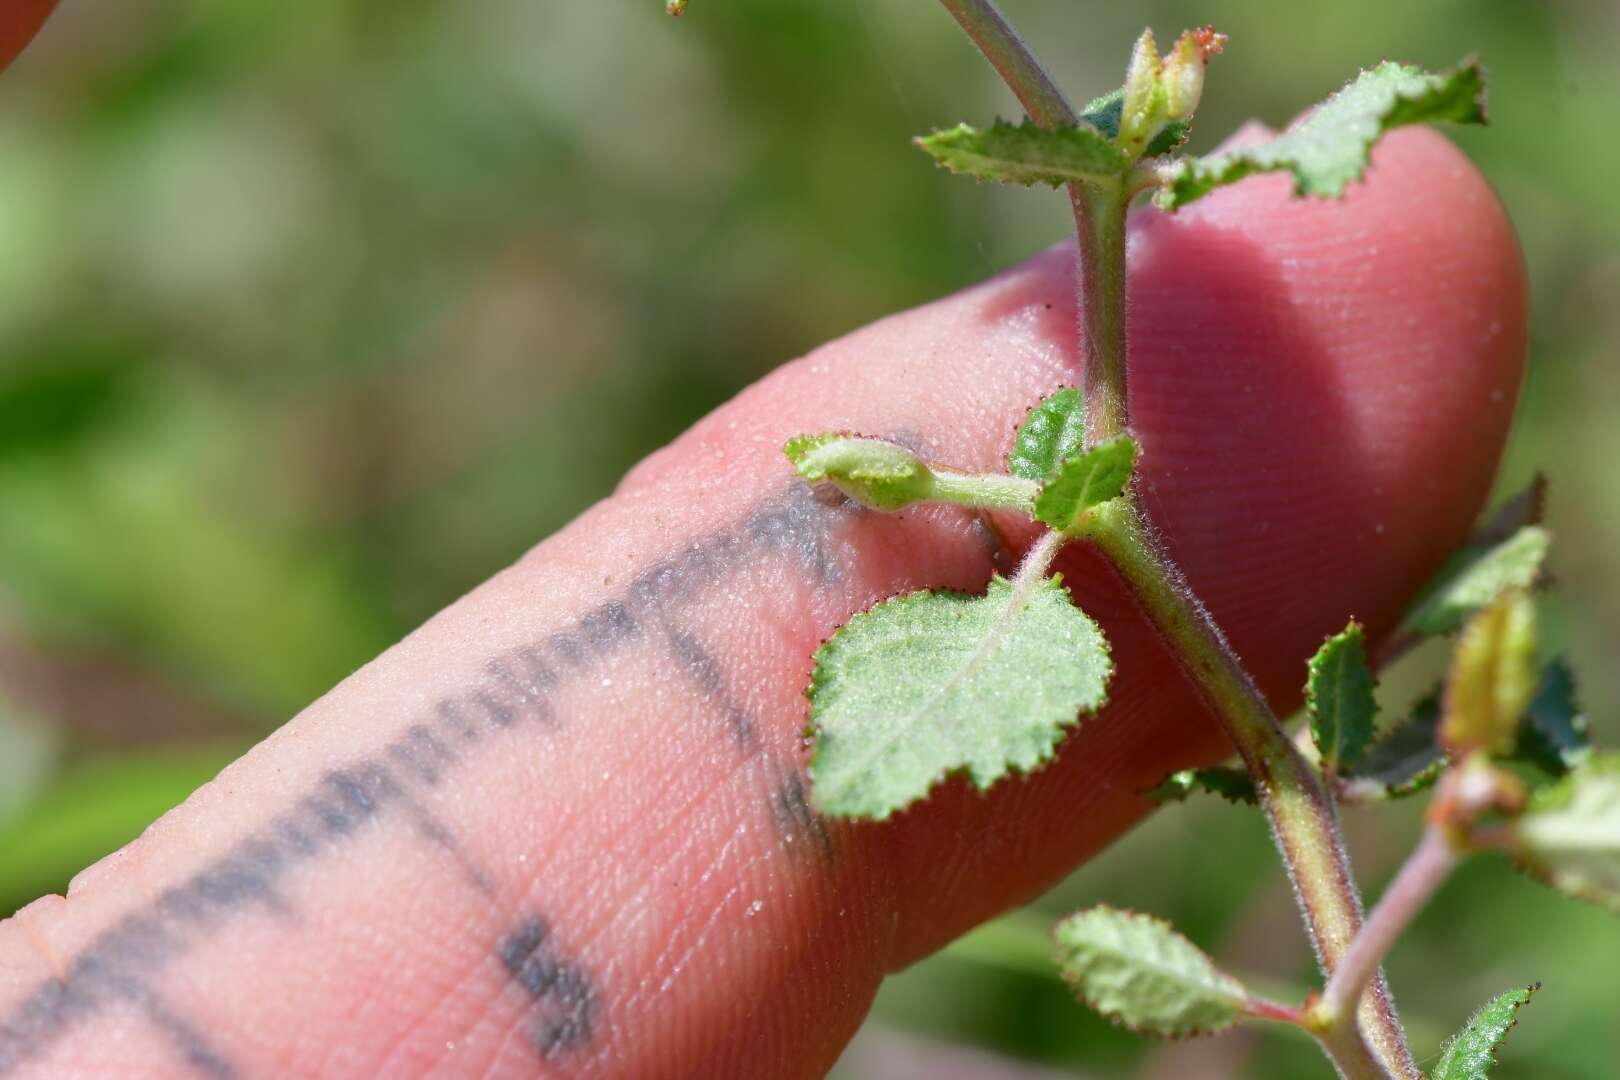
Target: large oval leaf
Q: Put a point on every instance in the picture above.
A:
(938, 682)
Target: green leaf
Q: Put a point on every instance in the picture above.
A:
(1469, 1053)
(1329, 148)
(1053, 432)
(1569, 835)
(1103, 114)
(1528, 506)
(1096, 476)
(939, 682)
(882, 475)
(1405, 761)
(1492, 677)
(1339, 700)
(1553, 735)
(1137, 971)
(1025, 154)
(1233, 785)
(1476, 576)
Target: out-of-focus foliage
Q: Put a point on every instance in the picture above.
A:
(307, 308)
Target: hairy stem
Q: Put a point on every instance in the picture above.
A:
(1428, 865)
(1304, 822)
(1303, 818)
(1099, 215)
(1094, 218)
(982, 21)
(986, 492)
(1037, 561)
(1350, 1054)
(1266, 1009)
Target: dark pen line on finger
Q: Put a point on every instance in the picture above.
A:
(795, 820)
(704, 670)
(563, 1000)
(202, 1057)
(347, 800)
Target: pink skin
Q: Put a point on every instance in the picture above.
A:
(20, 20)
(1321, 391)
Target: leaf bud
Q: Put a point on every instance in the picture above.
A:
(1183, 74)
(878, 474)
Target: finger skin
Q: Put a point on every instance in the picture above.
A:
(20, 20)
(562, 828)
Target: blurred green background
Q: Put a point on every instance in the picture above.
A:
(311, 312)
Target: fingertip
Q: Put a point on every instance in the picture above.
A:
(20, 20)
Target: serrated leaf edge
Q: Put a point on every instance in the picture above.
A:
(1554, 797)
(1013, 451)
(1351, 637)
(1166, 198)
(811, 729)
(1171, 790)
(1114, 1017)
(1083, 504)
(1513, 1022)
(928, 144)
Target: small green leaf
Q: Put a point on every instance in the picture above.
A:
(1053, 432)
(1476, 576)
(1492, 677)
(1329, 148)
(1405, 761)
(939, 682)
(1553, 735)
(882, 475)
(1339, 700)
(1025, 154)
(1469, 1053)
(1103, 114)
(1528, 506)
(1096, 476)
(1137, 971)
(1233, 785)
(1569, 835)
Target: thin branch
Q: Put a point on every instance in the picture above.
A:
(1099, 218)
(1303, 816)
(1265, 1009)
(990, 491)
(1032, 571)
(1352, 1058)
(1302, 812)
(1013, 60)
(1428, 865)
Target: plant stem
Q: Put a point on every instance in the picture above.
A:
(988, 492)
(1428, 865)
(1265, 1009)
(1350, 1054)
(982, 21)
(1099, 215)
(1037, 561)
(1303, 818)
(1304, 822)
